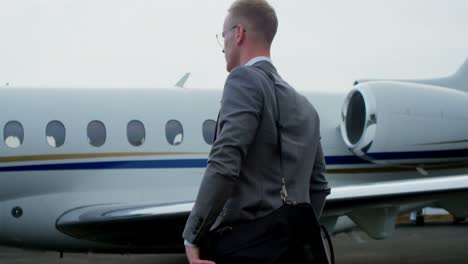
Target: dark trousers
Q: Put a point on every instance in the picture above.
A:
(281, 237)
(267, 253)
(238, 246)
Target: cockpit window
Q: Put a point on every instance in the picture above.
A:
(13, 134)
(174, 132)
(96, 133)
(136, 133)
(55, 134)
(208, 131)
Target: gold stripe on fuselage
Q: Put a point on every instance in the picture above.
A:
(92, 155)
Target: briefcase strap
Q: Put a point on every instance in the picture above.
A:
(330, 255)
(283, 191)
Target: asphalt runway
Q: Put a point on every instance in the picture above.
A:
(432, 243)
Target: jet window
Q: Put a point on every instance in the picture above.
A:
(174, 132)
(135, 133)
(13, 134)
(96, 133)
(55, 134)
(208, 131)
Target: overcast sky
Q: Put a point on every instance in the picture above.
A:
(320, 45)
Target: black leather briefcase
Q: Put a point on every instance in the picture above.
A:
(309, 238)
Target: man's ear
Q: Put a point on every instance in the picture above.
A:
(240, 34)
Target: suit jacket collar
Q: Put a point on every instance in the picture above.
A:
(257, 59)
(266, 64)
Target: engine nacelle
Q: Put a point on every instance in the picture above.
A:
(398, 122)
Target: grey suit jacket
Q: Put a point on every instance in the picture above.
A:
(242, 180)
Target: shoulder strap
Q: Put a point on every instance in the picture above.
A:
(324, 235)
(283, 192)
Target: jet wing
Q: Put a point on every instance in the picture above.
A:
(145, 226)
(159, 226)
(347, 198)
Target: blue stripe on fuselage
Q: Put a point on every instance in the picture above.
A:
(437, 154)
(130, 164)
(201, 163)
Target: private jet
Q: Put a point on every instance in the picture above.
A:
(117, 170)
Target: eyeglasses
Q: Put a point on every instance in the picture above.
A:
(220, 37)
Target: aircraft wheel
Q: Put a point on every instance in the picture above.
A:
(458, 220)
(420, 220)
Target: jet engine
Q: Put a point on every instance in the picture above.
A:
(400, 122)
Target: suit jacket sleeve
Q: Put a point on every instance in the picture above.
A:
(241, 108)
(318, 188)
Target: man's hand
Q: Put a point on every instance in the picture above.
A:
(193, 256)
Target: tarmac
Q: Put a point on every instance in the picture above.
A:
(435, 242)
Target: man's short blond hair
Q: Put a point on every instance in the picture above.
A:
(259, 16)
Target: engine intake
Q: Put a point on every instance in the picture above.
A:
(382, 118)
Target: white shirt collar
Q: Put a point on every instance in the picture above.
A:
(257, 59)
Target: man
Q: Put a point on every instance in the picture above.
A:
(242, 181)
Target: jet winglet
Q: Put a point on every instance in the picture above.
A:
(182, 81)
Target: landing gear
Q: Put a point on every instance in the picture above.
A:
(458, 220)
(419, 218)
